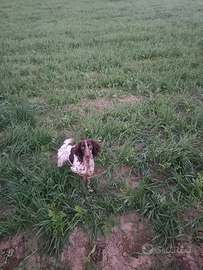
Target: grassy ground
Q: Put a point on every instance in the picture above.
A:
(58, 55)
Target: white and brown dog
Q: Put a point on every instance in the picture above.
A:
(80, 156)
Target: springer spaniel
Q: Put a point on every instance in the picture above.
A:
(80, 156)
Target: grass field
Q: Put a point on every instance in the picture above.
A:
(59, 59)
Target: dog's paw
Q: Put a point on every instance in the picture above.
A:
(74, 169)
(59, 164)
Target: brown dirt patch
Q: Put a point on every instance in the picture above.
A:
(123, 244)
(117, 251)
(92, 76)
(98, 171)
(157, 175)
(24, 252)
(78, 249)
(140, 63)
(99, 104)
(120, 250)
(125, 171)
(102, 103)
(190, 213)
(11, 252)
(192, 259)
(104, 89)
(130, 99)
(138, 146)
(120, 245)
(166, 190)
(135, 64)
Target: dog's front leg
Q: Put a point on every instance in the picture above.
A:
(88, 184)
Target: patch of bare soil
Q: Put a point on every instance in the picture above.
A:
(99, 104)
(119, 250)
(75, 253)
(158, 175)
(166, 190)
(135, 64)
(98, 171)
(102, 181)
(138, 64)
(130, 99)
(190, 213)
(102, 103)
(103, 89)
(188, 257)
(92, 76)
(138, 146)
(22, 252)
(125, 171)
(122, 249)
(124, 243)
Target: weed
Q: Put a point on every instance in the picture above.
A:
(108, 224)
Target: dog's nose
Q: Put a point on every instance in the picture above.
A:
(87, 153)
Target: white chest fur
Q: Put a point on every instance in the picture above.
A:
(86, 168)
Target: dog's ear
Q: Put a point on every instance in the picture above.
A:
(95, 148)
(78, 151)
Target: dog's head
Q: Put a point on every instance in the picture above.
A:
(87, 149)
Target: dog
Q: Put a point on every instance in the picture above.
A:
(80, 157)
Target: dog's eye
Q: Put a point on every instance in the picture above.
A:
(90, 146)
(82, 147)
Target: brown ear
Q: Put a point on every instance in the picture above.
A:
(96, 148)
(78, 151)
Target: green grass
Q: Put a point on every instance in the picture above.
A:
(56, 54)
